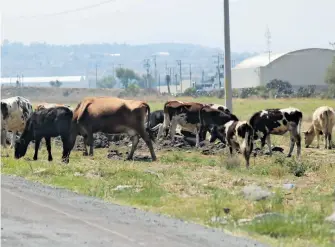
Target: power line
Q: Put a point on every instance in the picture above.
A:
(70, 10)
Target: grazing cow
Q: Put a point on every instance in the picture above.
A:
(322, 123)
(213, 120)
(278, 122)
(239, 136)
(49, 105)
(15, 112)
(113, 116)
(47, 123)
(185, 114)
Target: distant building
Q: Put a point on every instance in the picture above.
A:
(300, 68)
(67, 81)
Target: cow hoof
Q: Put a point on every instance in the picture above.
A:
(129, 158)
(289, 155)
(85, 154)
(50, 159)
(153, 158)
(34, 158)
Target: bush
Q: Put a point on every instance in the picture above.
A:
(191, 91)
(306, 92)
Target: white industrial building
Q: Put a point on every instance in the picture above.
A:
(67, 81)
(300, 68)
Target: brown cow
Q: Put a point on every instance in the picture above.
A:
(113, 116)
(185, 114)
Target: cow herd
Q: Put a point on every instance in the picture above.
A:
(117, 116)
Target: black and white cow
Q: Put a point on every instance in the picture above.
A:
(278, 122)
(15, 112)
(47, 123)
(239, 136)
(184, 114)
(220, 107)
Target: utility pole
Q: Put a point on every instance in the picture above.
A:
(176, 76)
(181, 80)
(120, 65)
(159, 82)
(202, 77)
(190, 75)
(154, 58)
(147, 67)
(332, 44)
(96, 74)
(227, 65)
(268, 42)
(220, 55)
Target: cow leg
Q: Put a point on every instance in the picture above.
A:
(134, 140)
(173, 127)
(330, 140)
(148, 141)
(37, 145)
(268, 141)
(66, 149)
(3, 137)
(48, 144)
(317, 138)
(197, 138)
(85, 153)
(12, 144)
(90, 143)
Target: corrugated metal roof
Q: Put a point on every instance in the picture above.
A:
(259, 60)
(44, 79)
(263, 59)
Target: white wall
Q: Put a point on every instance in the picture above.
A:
(247, 77)
(302, 68)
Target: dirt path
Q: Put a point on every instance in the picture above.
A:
(37, 215)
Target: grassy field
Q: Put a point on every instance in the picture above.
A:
(196, 187)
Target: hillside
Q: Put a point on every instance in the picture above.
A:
(41, 59)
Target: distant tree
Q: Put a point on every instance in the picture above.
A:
(126, 76)
(168, 80)
(107, 82)
(330, 74)
(145, 81)
(306, 92)
(280, 87)
(55, 83)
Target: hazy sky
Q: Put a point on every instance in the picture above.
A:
(293, 24)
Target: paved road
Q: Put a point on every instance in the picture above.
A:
(37, 215)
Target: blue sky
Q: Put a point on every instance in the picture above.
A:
(294, 24)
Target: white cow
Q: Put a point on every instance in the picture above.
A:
(322, 123)
(15, 112)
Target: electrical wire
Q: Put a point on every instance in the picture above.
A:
(70, 10)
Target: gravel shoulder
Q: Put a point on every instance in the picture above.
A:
(37, 215)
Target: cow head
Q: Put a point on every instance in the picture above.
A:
(309, 136)
(21, 146)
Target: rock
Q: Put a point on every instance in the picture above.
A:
(220, 220)
(255, 193)
(288, 186)
(239, 182)
(243, 221)
(331, 218)
(122, 187)
(153, 173)
(268, 216)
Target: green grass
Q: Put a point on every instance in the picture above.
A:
(196, 187)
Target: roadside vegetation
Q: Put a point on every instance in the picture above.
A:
(209, 189)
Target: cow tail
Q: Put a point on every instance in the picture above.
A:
(81, 108)
(299, 125)
(148, 129)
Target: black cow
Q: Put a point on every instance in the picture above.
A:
(278, 122)
(156, 117)
(47, 123)
(213, 120)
